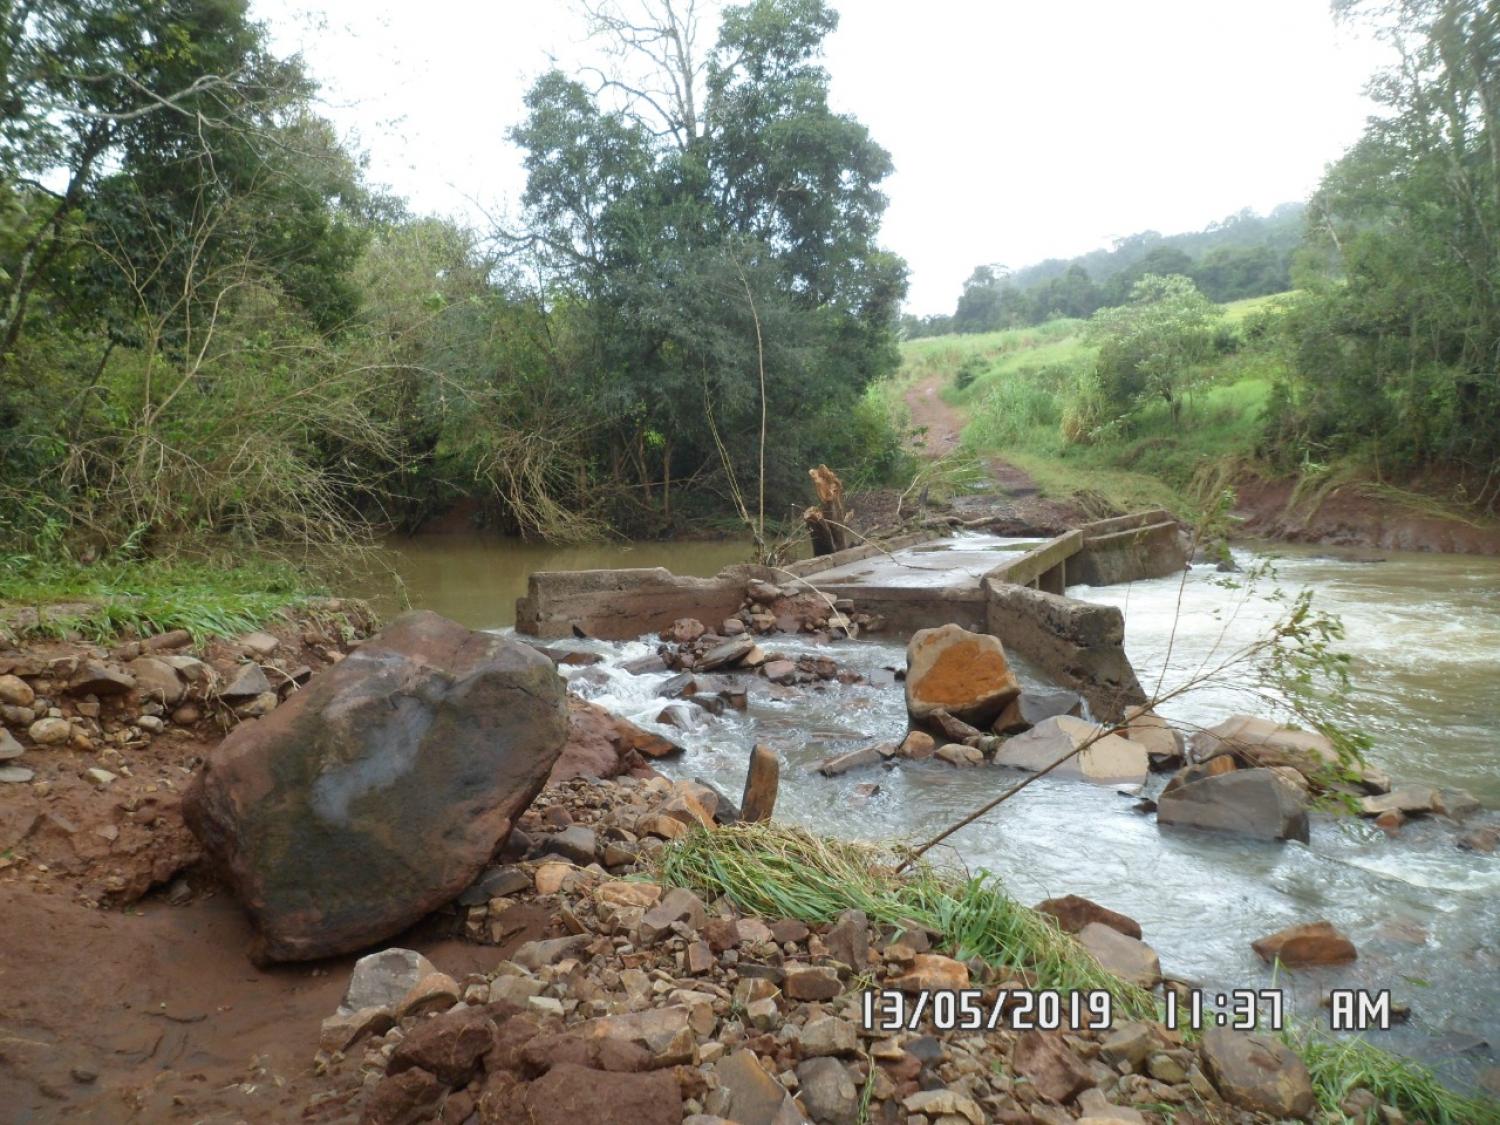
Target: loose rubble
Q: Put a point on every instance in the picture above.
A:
(616, 991)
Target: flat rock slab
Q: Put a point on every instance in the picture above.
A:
(378, 793)
(1110, 760)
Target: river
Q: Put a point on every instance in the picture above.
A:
(1424, 635)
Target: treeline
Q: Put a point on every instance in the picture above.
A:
(212, 327)
(1245, 255)
(1394, 347)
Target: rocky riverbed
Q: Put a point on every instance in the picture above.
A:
(554, 970)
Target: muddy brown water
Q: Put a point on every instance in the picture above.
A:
(476, 579)
(1423, 633)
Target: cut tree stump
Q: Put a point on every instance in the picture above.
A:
(828, 521)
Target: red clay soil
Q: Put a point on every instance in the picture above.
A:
(156, 1014)
(1013, 492)
(1351, 516)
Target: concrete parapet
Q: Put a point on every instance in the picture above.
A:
(807, 567)
(1152, 550)
(1079, 644)
(620, 605)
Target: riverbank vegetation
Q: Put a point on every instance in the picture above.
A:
(215, 331)
(1380, 366)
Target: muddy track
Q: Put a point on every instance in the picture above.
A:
(1012, 490)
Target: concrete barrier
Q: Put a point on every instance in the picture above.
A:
(618, 605)
(1079, 644)
(1153, 550)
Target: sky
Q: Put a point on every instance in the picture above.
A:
(1019, 129)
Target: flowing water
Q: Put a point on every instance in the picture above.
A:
(1424, 634)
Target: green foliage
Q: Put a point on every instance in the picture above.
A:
(1242, 256)
(720, 247)
(1037, 402)
(1394, 349)
(1339, 1066)
(782, 872)
(1149, 348)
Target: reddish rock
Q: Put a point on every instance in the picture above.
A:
(449, 1046)
(1257, 1072)
(1312, 943)
(1074, 912)
(1044, 1059)
(378, 792)
(601, 744)
(812, 982)
(963, 673)
(931, 970)
(404, 1099)
(569, 1095)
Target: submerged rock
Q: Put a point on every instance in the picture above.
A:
(1109, 761)
(380, 791)
(963, 673)
(1311, 943)
(1255, 802)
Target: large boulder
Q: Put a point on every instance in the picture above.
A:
(1256, 802)
(380, 791)
(965, 674)
(1109, 761)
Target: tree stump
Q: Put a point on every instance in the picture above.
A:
(828, 522)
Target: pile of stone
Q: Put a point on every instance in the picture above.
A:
(93, 699)
(621, 999)
(1253, 776)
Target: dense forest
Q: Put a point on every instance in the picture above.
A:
(213, 327)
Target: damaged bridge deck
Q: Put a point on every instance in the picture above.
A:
(1012, 588)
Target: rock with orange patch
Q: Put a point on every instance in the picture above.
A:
(965, 674)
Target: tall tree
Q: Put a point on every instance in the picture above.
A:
(720, 221)
(1398, 343)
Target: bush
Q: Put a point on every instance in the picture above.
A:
(970, 369)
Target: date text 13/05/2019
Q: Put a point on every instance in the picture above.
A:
(1241, 1009)
(969, 1009)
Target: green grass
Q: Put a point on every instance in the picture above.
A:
(781, 872)
(1021, 390)
(1341, 1066)
(218, 597)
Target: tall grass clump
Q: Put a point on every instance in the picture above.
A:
(1340, 1066)
(782, 872)
(209, 598)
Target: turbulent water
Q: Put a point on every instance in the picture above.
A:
(1424, 632)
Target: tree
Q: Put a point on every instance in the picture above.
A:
(1148, 348)
(716, 220)
(97, 88)
(1396, 347)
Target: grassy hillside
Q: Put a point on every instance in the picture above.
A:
(1020, 390)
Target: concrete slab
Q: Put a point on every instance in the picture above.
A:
(955, 561)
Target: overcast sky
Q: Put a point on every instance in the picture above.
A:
(1020, 129)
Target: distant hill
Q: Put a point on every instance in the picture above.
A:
(1245, 255)
(1279, 231)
